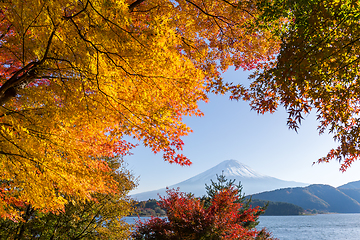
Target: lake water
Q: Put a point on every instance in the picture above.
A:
(321, 226)
(317, 227)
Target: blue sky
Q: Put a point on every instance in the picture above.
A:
(230, 130)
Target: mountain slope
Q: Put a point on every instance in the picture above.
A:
(354, 193)
(317, 196)
(251, 181)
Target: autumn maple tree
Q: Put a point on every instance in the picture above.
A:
(78, 76)
(316, 70)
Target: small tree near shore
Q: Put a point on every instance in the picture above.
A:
(224, 183)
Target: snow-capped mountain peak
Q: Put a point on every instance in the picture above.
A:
(251, 181)
(236, 168)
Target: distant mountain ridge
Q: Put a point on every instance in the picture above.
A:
(317, 197)
(352, 185)
(251, 181)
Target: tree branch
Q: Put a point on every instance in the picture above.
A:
(9, 89)
(135, 4)
(78, 13)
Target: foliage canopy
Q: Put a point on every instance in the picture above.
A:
(78, 76)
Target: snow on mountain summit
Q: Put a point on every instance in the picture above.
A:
(232, 169)
(236, 168)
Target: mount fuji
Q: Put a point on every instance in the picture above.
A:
(251, 181)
